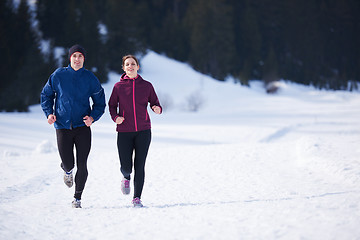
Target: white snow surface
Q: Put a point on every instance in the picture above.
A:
(247, 165)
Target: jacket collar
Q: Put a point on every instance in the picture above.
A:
(125, 77)
(78, 71)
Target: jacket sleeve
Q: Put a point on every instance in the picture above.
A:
(99, 104)
(113, 104)
(47, 97)
(153, 99)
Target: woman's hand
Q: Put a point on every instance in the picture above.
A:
(119, 120)
(156, 109)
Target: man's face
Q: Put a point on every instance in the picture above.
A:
(77, 60)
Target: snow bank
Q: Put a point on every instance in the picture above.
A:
(245, 166)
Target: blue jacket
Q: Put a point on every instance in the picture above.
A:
(71, 91)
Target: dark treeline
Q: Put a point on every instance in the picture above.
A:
(309, 42)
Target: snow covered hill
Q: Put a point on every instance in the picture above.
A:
(246, 165)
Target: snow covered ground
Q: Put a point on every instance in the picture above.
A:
(247, 165)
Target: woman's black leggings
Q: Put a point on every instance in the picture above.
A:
(80, 138)
(127, 143)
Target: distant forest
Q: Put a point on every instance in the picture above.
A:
(309, 42)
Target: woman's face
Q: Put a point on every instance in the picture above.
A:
(77, 60)
(130, 67)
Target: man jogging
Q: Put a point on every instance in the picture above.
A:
(65, 102)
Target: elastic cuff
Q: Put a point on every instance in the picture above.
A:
(78, 194)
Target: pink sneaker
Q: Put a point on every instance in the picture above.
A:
(125, 186)
(137, 202)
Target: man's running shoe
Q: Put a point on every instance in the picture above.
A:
(68, 178)
(76, 203)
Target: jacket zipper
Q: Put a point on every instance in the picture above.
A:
(134, 106)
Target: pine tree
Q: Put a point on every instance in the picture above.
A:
(78, 22)
(270, 68)
(52, 17)
(169, 34)
(211, 37)
(90, 38)
(7, 59)
(250, 43)
(30, 69)
(126, 24)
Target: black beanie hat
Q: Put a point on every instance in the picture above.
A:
(77, 48)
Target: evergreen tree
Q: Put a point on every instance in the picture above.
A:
(90, 38)
(270, 68)
(29, 69)
(126, 24)
(7, 60)
(312, 42)
(169, 34)
(345, 34)
(249, 43)
(79, 24)
(53, 18)
(211, 37)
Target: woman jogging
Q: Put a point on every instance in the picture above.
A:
(65, 102)
(128, 109)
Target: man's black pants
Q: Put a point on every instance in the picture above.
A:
(80, 138)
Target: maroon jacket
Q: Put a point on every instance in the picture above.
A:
(129, 99)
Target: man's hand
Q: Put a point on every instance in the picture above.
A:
(51, 119)
(88, 120)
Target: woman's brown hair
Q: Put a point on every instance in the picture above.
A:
(129, 56)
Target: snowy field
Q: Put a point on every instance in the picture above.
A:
(247, 165)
